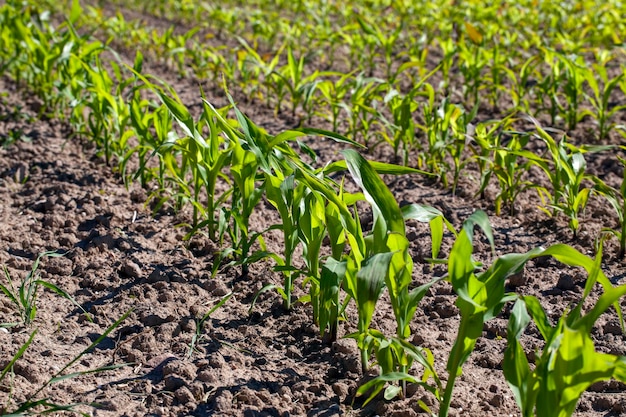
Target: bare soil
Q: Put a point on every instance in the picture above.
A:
(56, 195)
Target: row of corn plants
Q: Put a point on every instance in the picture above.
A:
(423, 125)
(565, 85)
(144, 130)
(559, 73)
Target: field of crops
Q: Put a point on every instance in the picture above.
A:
(312, 208)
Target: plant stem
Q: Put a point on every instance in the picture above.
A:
(453, 366)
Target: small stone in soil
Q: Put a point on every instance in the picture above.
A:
(341, 390)
(602, 403)
(496, 400)
(157, 275)
(566, 282)
(208, 375)
(173, 382)
(344, 346)
(131, 269)
(612, 327)
(184, 395)
(517, 280)
(216, 287)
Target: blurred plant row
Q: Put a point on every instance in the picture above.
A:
(421, 89)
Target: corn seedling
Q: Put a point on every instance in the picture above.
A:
(481, 144)
(333, 94)
(509, 169)
(380, 39)
(311, 233)
(285, 196)
(24, 297)
(573, 87)
(600, 98)
(197, 337)
(449, 49)
(363, 92)
(302, 212)
(445, 128)
(617, 199)
(481, 295)
(569, 363)
(38, 406)
(392, 263)
(566, 171)
(472, 61)
(300, 87)
(402, 108)
(266, 66)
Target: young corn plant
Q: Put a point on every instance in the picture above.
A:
(377, 261)
(602, 109)
(566, 171)
(266, 66)
(247, 192)
(23, 297)
(311, 233)
(363, 92)
(473, 58)
(549, 86)
(283, 193)
(152, 127)
(383, 40)
(108, 118)
(198, 336)
(569, 363)
(333, 95)
(302, 209)
(509, 168)
(248, 73)
(390, 266)
(34, 405)
(327, 212)
(481, 295)
(362, 272)
(402, 107)
(617, 199)
(449, 49)
(573, 87)
(257, 156)
(301, 88)
(445, 128)
(523, 83)
(193, 163)
(481, 144)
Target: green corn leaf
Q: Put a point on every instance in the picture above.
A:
(381, 168)
(333, 274)
(75, 11)
(436, 220)
(88, 372)
(62, 293)
(515, 365)
(388, 216)
(7, 291)
(343, 214)
(138, 64)
(571, 366)
(610, 298)
(539, 316)
(370, 282)
(378, 383)
(572, 257)
(18, 355)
